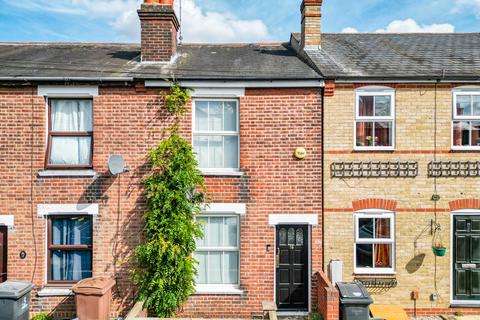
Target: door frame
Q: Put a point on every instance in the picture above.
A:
(309, 266)
(4, 255)
(463, 212)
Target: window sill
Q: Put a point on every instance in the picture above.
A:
(67, 173)
(465, 149)
(367, 149)
(222, 173)
(55, 292)
(226, 290)
(366, 275)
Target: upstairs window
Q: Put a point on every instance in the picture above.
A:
(466, 120)
(70, 133)
(216, 134)
(374, 242)
(374, 120)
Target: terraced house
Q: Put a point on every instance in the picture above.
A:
(65, 108)
(400, 142)
(331, 157)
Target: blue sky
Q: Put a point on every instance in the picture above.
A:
(229, 20)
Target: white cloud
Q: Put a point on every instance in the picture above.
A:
(411, 26)
(350, 30)
(197, 25)
(210, 26)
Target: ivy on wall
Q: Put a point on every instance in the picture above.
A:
(165, 269)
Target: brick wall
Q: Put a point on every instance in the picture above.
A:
(416, 266)
(328, 298)
(273, 123)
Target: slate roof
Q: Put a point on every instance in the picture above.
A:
(209, 62)
(410, 56)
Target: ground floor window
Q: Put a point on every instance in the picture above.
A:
(218, 252)
(69, 248)
(374, 242)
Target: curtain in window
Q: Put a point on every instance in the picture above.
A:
(382, 251)
(71, 231)
(71, 116)
(71, 264)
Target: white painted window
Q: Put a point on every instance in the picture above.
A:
(374, 119)
(466, 120)
(216, 134)
(218, 252)
(374, 242)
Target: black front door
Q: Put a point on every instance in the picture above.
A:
(292, 267)
(3, 253)
(466, 258)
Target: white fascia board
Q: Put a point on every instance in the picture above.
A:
(218, 92)
(240, 84)
(67, 91)
(236, 208)
(7, 220)
(276, 219)
(67, 209)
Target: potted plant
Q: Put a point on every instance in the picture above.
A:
(439, 249)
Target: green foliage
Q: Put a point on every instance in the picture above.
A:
(42, 316)
(315, 316)
(165, 269)
(177, 99)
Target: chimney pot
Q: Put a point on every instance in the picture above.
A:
(160, 2)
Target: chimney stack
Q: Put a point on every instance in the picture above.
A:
(159, 30)
(311, 23)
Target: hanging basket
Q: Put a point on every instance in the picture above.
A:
(439, 251)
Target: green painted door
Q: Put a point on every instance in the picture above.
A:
(466, 258)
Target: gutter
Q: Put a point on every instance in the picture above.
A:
(239, 84)
(67, 79)
(393, 80)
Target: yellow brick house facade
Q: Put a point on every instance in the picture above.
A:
(399, 171)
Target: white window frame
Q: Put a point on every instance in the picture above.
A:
(374, 92)
(224, 210)
(218, 133)
(374, 213)
(45, 210)
(457, 118)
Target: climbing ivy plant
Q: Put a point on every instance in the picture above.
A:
(165, 269)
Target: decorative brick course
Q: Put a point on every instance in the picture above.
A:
(364, 204)
(461, 204)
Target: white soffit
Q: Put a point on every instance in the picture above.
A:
(67, 209)
(67, 91)
(218, 92)
(240, 84)
(237, 208)
(275, 219)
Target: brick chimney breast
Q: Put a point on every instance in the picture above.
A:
(159, 31)
(311, 23)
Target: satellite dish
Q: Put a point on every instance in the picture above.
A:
(116, 164)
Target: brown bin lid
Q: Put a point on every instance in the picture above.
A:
(94, 286)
